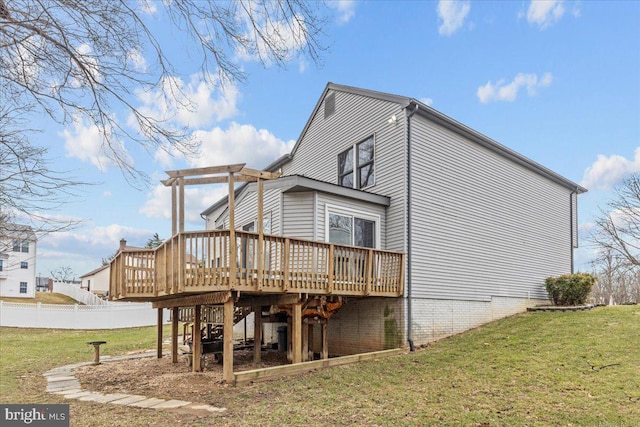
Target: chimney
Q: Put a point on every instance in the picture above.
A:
(123, 244)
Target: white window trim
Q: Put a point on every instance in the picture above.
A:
(354, 147)
(340, 210)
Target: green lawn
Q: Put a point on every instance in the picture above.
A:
(44, 298)
(534, 369)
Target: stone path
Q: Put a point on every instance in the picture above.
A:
(62, 381)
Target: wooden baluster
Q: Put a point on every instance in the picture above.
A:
(331, 266)
(285, 265)
(368, 271)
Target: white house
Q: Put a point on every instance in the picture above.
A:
(17, 261)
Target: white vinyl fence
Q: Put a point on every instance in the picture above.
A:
(58, 316)
(78, 294)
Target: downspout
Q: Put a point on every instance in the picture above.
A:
(412, 347)
(571, 209)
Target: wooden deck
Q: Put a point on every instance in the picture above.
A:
(229, 260)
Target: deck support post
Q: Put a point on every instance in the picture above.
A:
(296, 333)
(257, 335)
(175, 311)
(324, 339)
(305, 341)
(159, 344)
(196, 346)
(227, 341)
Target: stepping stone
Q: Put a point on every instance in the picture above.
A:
(56, 378)
(171, 404)
(129, 399)
(151, 401)
(76, 395)
(63, 385)
(204, 407)
(67, 391)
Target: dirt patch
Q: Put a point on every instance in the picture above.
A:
(160, 378)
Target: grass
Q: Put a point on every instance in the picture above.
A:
(534, 369)
(44, 298)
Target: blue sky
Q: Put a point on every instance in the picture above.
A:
(557, 81)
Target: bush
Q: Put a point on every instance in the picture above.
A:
(569, 289)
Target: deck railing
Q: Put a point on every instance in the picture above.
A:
(205, 261)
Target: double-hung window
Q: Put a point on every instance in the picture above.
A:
(23, 287)
(356, 165)
(24, 265)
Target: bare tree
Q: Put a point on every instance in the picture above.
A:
(83, 61)
(62, 274)
(616, 237)
(618, 228)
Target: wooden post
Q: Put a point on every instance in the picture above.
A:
(227, 337)
(232, 235)
(331, 268)
(181, 203)
(196, 347)
(324, 339)
(174, 210)
(296, 333)
(175, 312)
(160, 333)
(305, 342)
(367, 275)
(260, 232)
(257, 335)
(285, 265)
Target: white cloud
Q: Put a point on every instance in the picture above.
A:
(238, 144)
(85, 142)
(197, 199)
(90, 63)
(199, 102)
(545, 13)
(502, 91)
(452, 14)
(426, 101)
(346, 9)
(148, 6)
(136, 57)
(285, 38)
(607, 171)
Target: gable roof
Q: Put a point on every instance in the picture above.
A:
(417, 107)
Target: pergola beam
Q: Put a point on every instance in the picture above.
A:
(205, 171)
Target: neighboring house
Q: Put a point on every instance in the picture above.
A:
(17, 261)
(97, 281)
(482, 225)
(44, 284)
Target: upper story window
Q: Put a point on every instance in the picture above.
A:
(356, 165)
(21, 246)
(24, 265)
(1, 266)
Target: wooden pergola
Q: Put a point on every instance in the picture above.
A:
(229, 174)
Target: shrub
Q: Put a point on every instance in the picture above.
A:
(569, 289)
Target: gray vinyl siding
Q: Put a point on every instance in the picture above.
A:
(298, 214)
(355, 119)
(482, 225)
(322, 200)
(246, 209)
